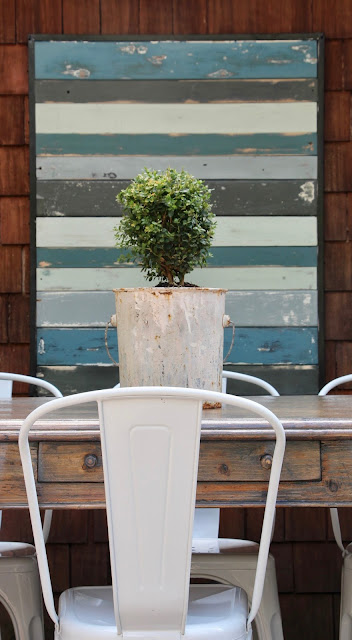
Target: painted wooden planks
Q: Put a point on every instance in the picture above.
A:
(229, 167)
(249, 130)
(149, 91)
(176, 119)
(253, 345)
(72, 144)
(229, 197)
(289, 379)
(233, 231)
(93, 309)
(220, 257)
(141, 60)
(242, 278)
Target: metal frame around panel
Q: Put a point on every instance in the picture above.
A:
(318, 37)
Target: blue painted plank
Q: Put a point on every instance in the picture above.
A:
(162, 144)
(293, 345)
(221, 257)
(217, 60)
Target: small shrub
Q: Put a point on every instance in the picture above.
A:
(167, 226)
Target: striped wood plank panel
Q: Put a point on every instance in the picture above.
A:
(242, 115)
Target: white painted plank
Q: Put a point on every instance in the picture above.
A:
(206, 167)
(240, 278)
(236, 231)
(246, 308)
(237, 118)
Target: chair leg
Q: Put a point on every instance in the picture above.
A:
(346, 600)
(268, 624)
(21, 594)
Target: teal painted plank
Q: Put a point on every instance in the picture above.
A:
(151, 91)
(245, 308)
(221, 257)
(288, 380)
(225, 167)
(194, 144)
(141, 60)
(252, 346)
(59, 198)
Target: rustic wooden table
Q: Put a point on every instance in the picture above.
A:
(235, 455)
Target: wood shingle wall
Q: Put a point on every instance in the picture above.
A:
(307, 559)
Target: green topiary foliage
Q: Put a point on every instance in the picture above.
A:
(167, 226)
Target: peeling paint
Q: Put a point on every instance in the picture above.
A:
(76, 73)
(308, 58)
(221, 73)
(307, 192)
(157, 60)
(130, 48)
(41, 346)
(44, 264)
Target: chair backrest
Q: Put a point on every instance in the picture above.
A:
(333, 511)
(150, 442)
(244, 377)
(6, 380)
(335, 383)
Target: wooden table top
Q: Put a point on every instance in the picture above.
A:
(303, 417)
(234, 452)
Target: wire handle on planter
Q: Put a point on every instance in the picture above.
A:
(110, 323)
(230, 324)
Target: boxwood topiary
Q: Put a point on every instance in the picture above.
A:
(167, 226)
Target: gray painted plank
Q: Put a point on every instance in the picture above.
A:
(176, 59)
(239, 231)
(206, 167)
(150, 91)
(288, 380)
(179, 119)
(245, 308)
(241, 278)
(229, 197)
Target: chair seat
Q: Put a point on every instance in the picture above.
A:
(86, 613)
(224, 546)
(16, 550)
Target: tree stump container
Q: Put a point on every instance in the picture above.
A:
(171, 336)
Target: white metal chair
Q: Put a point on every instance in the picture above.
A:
(20, 591)
(150, 443)
(235, 561)
(244, 377)
(346, 577)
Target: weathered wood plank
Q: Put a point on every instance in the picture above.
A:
(229, 197)
(175, 59)
(220, 257)
(236, 231)
(63, 462)
(287, 379)
(246, 308)
(243, 278)
(206, 167)
(72, 144)
(236, 118)
(150, 91)
(270, 345)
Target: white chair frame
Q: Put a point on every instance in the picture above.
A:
(6, 394)
(345, 632)
(117, 395)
